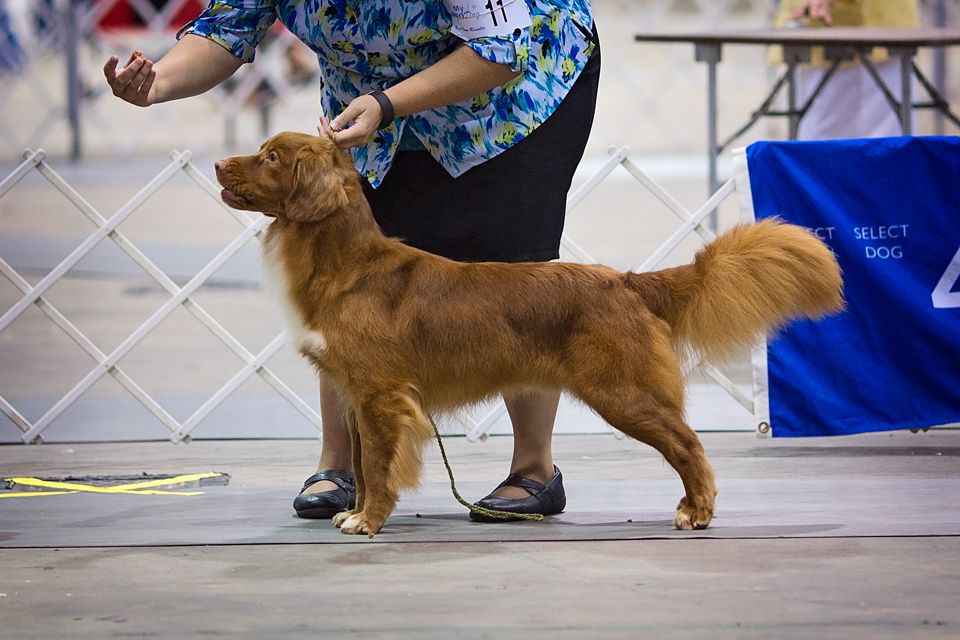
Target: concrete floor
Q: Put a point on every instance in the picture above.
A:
(830, 538)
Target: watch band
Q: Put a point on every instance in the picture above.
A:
(386, 108)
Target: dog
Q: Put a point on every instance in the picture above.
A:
(405, 335)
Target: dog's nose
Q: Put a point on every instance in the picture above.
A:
(218, 165)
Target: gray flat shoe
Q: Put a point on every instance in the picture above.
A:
(547, 500)
(327, 504)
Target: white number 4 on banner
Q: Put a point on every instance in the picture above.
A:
(943, 297)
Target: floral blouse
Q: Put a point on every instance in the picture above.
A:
(372, 44)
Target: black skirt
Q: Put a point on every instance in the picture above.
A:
(511, 208)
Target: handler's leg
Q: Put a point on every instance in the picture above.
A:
(534, 485)
(333, 488)
(532, 414)
(335, 450)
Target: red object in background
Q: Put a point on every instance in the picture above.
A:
(123, 15)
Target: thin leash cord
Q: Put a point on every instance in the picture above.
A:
(490, 513)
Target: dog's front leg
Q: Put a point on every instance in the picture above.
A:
(392, 428)
(375, 436)
(351, 420)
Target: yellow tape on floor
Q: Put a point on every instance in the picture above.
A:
(131, 488)
(34, 494)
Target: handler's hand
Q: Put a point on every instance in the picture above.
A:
(815, 9)
(133, 83)
(363, 115)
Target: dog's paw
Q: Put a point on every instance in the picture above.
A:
(692, 517)
(359, 524)
(339, 518)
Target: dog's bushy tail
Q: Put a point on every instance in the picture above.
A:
(749, 281)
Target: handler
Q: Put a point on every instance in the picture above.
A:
(466, 117)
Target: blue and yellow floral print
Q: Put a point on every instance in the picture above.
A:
(372, 44)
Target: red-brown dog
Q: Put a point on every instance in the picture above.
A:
(405, 334)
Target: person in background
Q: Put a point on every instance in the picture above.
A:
(851, 105)
(467, 120)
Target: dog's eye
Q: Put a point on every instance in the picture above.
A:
(273, 157)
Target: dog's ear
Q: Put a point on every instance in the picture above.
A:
(318, 186)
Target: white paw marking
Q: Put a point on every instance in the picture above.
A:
(351, 524)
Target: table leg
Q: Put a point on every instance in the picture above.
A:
(74, 88)
(940, 63)
(906, 96)
(793, 118)
(712, 124)
(710, 53)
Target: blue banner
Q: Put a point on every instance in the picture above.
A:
(890, 210)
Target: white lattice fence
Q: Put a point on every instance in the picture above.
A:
(180, 297)
(110, 361)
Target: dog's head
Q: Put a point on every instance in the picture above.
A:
(294, 176)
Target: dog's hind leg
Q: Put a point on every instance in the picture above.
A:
(392, 429)
(635, 383)
(643, 418)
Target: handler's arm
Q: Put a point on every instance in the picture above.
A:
(461, 75)
(192, 66)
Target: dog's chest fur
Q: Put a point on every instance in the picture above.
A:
(307, 341)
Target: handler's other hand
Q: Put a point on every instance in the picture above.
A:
(815, 10)
(133, 83)
(363, 115)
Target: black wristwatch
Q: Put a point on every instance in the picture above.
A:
(386, 108)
